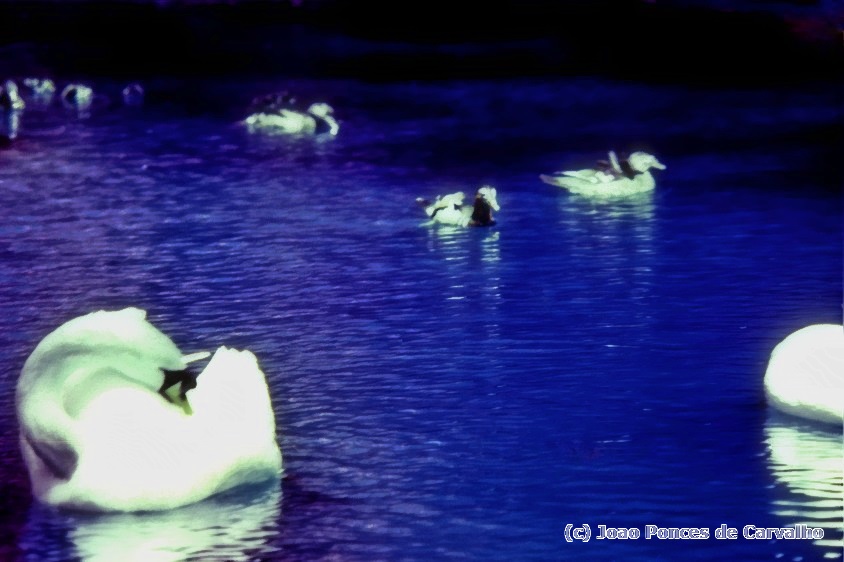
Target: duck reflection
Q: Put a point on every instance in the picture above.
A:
(235, 526)
(805, 461)
(613, 245)
(473, 268)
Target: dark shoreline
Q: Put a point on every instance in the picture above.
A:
(647, 42)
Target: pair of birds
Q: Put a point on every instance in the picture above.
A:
(280, 114)
(613, 178)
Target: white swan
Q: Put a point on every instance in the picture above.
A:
(317, 120)
(613, 179)
(805, 375)
(96, 434)
(451, 210)
(77, 96)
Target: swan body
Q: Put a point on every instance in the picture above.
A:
(805, 374)
(451, 210)
(617, 179)
(96, 434)
(317, 120)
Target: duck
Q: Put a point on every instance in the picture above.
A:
(77, 96)
(133, 95)
(612, 178)
(104, 428)
(284, 118)
(451, 210)
(42, 89)
(10, 99)
(805, 374)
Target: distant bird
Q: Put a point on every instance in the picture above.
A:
(133, 95)
(78, 97)
(451, 210)
(10, 99)
(284, 118)
(42, 89)
(610, 179)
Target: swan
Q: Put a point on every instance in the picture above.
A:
(10, 98)
(42, 89)
(610, 179)
(286, 119)
(805, 374)
(77, 96)
(450, 209)
(98, 433)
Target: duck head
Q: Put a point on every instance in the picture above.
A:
(485, 203)
(642, 162)
(323, 112)
(488, 194)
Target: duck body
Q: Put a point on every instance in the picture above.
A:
(452, 210)
(10, 98)
(280, 118)
(630, 176)
(42, 90)
(133, 95)
(805, 374)
(78, 97)
(97, 434)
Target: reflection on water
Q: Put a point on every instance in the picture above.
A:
(236, 526)
(807, 462)
(613, 241)
(473, 257)
(10, 124)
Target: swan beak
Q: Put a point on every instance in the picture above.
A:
(658, 165)
(196, 356)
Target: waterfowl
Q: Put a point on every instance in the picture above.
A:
(613, 178)
(42, 89)
(284, 118)
(97, 433)
(805, 374)
(133, 95)
(450, 209)
(77, 96)
(10, 99)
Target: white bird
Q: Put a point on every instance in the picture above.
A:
(451, 210)
(43, 89)
(10, 99)
(78, 97)
(97, 434)
(317, 120)
(613, 179)
(133, 95)
(805, 374)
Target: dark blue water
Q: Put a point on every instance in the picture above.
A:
(449, 394)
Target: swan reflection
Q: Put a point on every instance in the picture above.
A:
(806, 461)
(236, 526)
